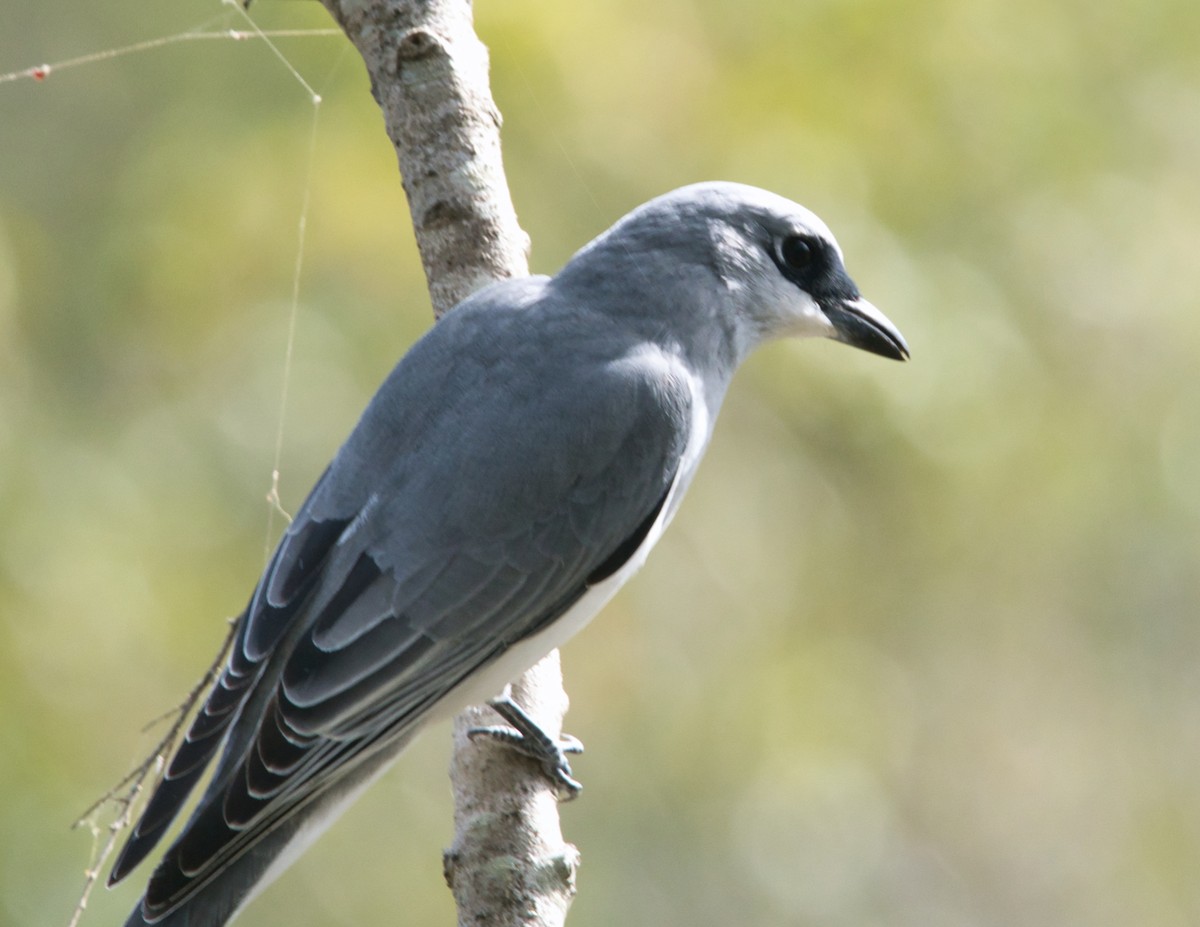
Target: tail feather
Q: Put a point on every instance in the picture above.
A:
(201, 743)
(174, 899)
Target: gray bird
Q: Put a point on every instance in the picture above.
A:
(512, 472)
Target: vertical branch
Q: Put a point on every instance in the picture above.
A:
(508, 864)
(429, 74)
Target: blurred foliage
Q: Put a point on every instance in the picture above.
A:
(922, 647)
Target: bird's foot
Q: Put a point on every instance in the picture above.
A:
(526, 736)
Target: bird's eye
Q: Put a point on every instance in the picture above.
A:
(797, 252)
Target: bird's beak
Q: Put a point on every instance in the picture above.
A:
(859, 324)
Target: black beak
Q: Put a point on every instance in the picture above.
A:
(861, 325)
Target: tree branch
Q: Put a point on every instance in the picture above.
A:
(429, 74)
(508, 864)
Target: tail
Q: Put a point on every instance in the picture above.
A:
(233, 885)
(230, 889)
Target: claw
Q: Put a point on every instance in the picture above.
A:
(527, 737)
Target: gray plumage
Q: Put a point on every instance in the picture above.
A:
(513, 470)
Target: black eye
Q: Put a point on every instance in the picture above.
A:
(797, 252)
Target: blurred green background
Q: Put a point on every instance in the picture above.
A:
(922, 647)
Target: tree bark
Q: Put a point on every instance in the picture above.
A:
(429, 74)
(508, 864)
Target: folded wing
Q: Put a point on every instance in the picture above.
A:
(432, 544)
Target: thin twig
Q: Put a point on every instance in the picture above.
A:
(123, 796)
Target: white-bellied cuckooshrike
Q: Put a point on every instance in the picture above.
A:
(513, 471)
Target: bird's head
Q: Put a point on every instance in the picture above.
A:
(787, 272)
(777, 268)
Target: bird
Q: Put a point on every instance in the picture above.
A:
(511, 473)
